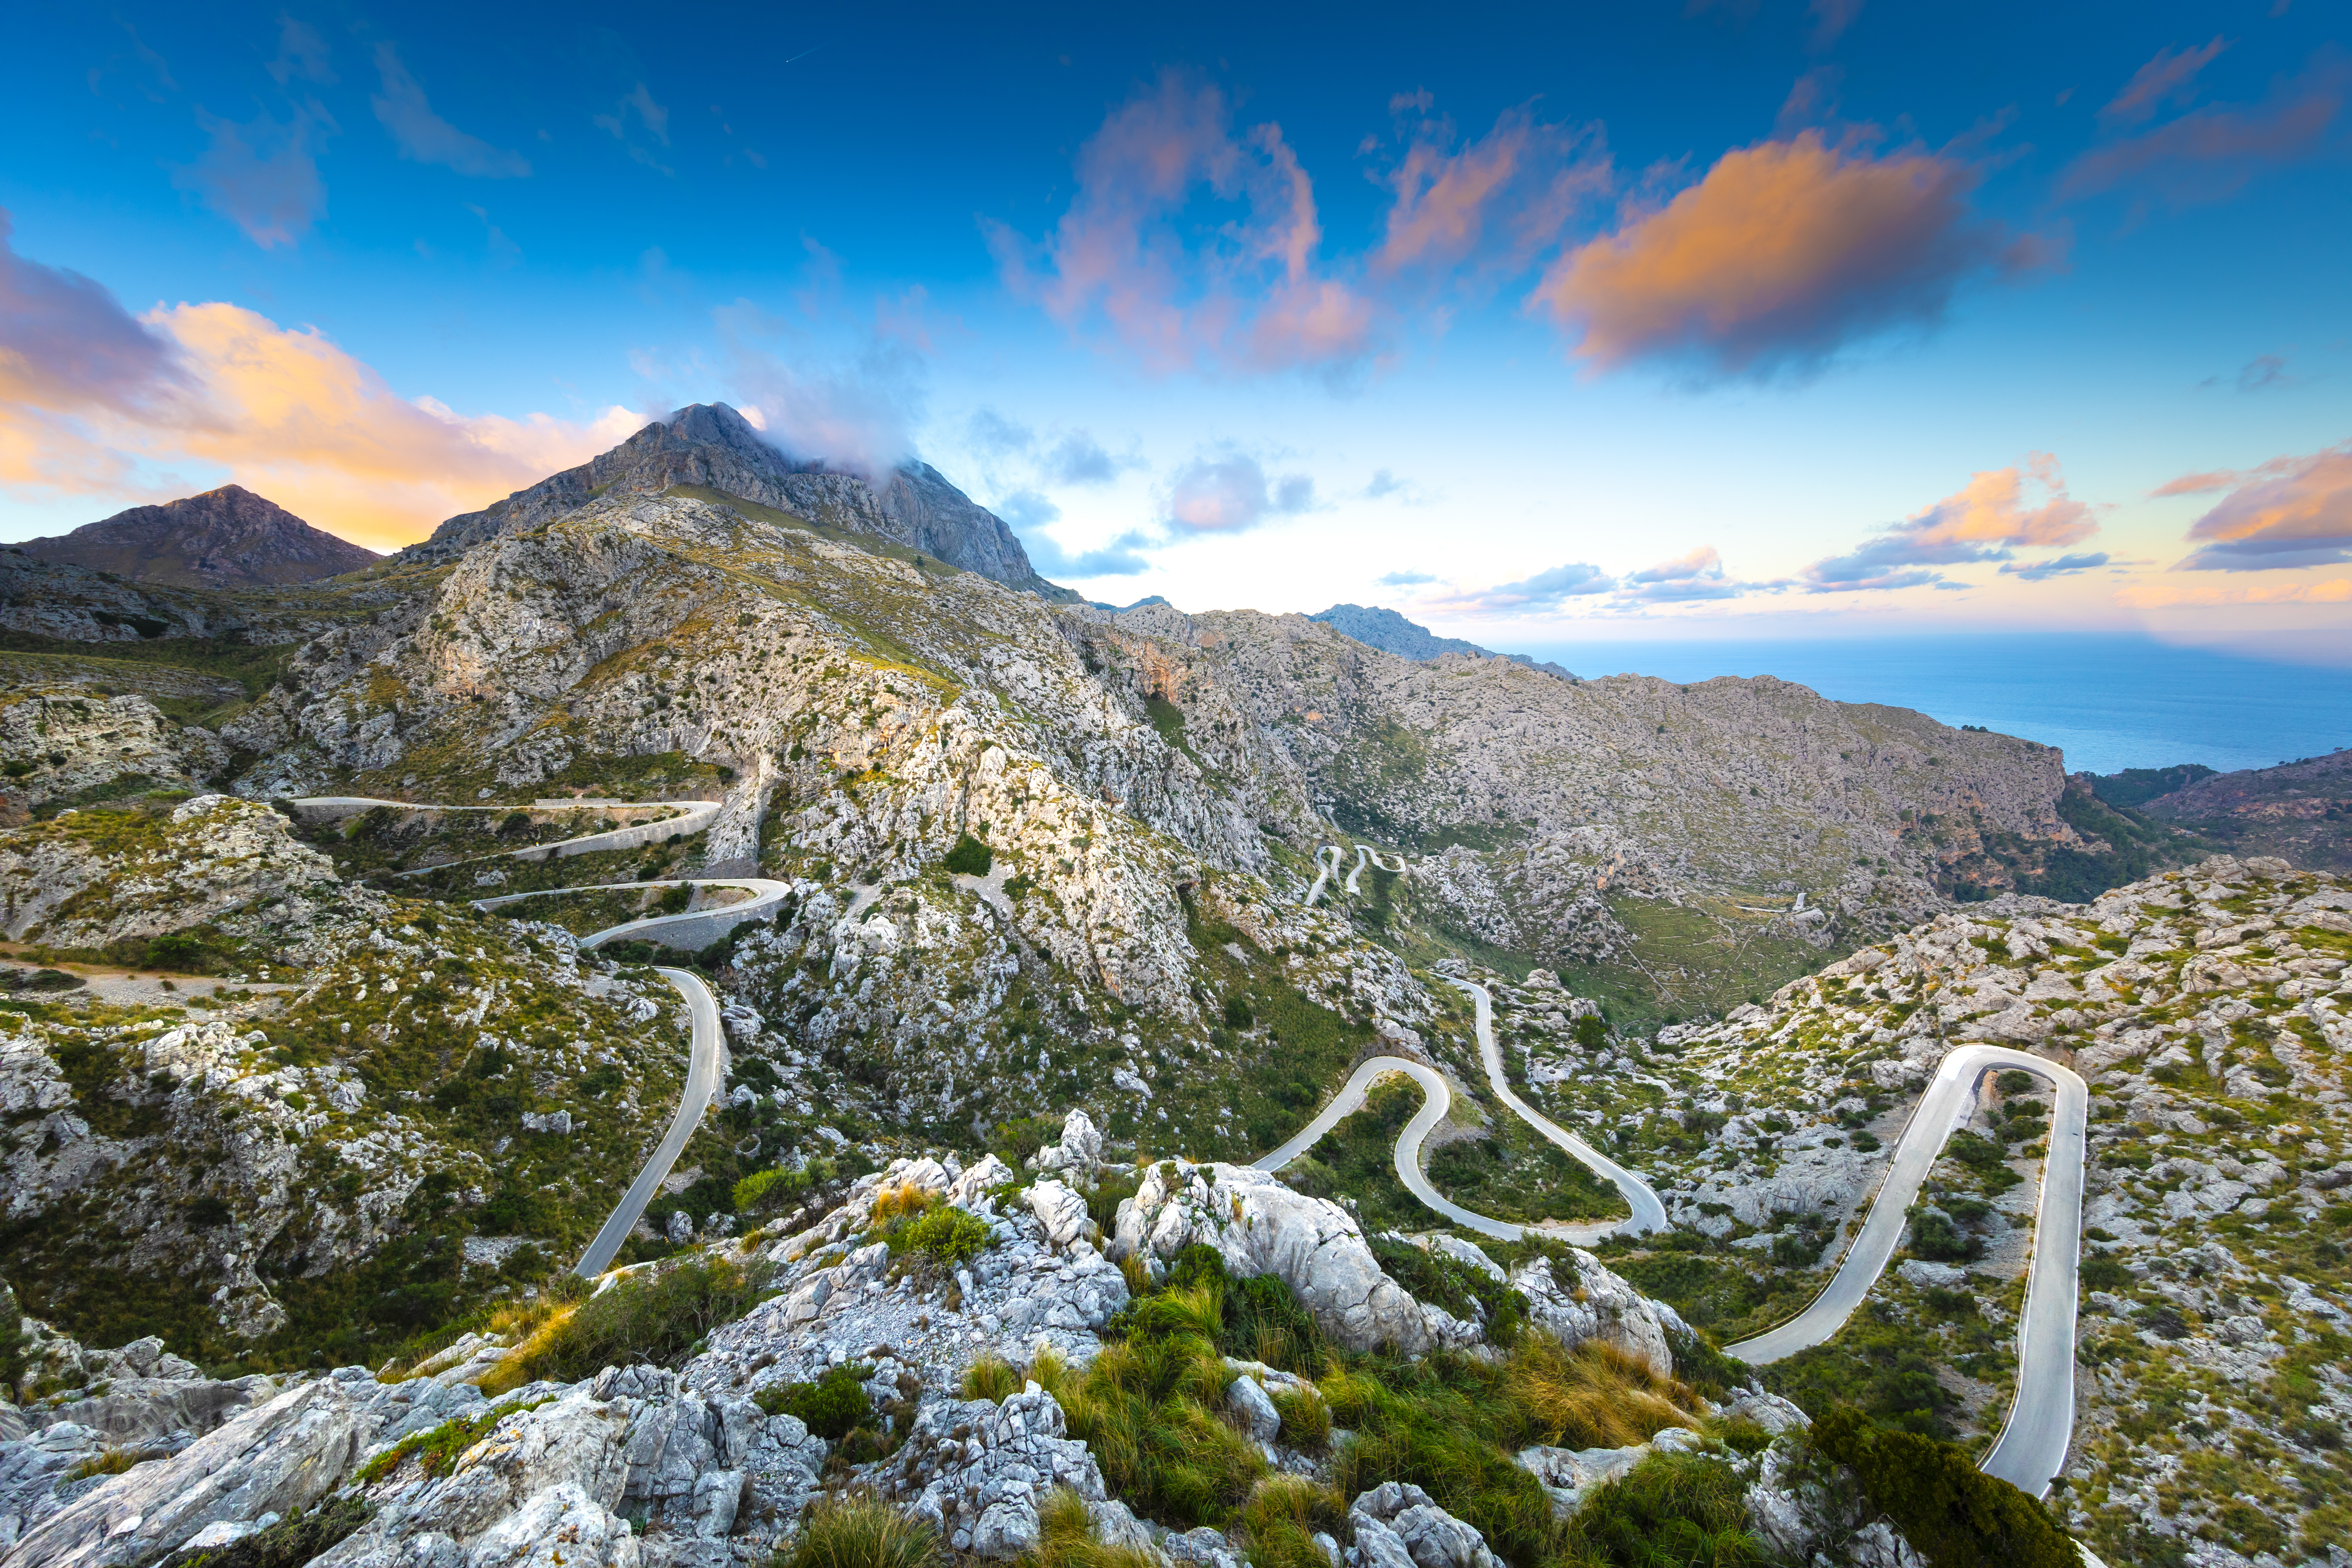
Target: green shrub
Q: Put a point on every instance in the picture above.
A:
(2098, 1271)
(1468, 1292)
(861, 1532)
(289, 1543)
(1591, 1033)
(1934, 1235)
(437, 1451)
(1237, 1012)
(656, 1317)
(1013, 1142)
(1956, 1516)
(831, 1407)
(1672, 1511)
(969, 858)
(673, 901)
(946, 1235)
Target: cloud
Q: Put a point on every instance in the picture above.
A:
(651, 118)
(857, 416)
(2060, 566)
(260, 175)
(2290, 511)
(2260, 373)
(1231, 494)
(1494, 204)
(1697, 576)
(67, 345)
(1981, 521)
(2210, 153)
(1190, 245)
(301, 52)
(1000, 437)
(423, 137)
(2169, 79)
(1404, 579)
(1784, 253)
(1078, 459)
(2162, 595)
(503, 252)
(1028, 512)
(1530, 596)
(1832, 17)
(1385, 484)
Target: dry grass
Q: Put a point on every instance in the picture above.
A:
(863, 1531)
(1594, 1396)
(903, 1202)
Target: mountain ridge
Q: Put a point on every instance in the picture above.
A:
(1383, 628)
(711, 446)
(224, 538)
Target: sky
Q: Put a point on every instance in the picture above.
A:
(1741, 318)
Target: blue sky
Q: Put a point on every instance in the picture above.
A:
(1765, 319)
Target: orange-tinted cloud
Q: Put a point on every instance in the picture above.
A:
(1784, 252)
(1982, 521)
(2211, 152)
(1191, 243)
(93, 402)
(2167, 79)
(2290, 511)
(1501, 198)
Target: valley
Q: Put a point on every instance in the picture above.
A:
(1169, 1043)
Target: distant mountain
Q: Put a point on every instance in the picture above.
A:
(1391, 633)
(710, 446)
(228, 538)
(2299, 811)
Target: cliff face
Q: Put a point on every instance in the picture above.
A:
(228, 538)
(710, 448)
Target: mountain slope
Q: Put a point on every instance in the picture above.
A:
(709, 447)
(228, 538)
(2299, 811)
(1391, 633)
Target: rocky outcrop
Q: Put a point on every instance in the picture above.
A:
(1597, 1305)
(977, 1470)
(53, 746)
(86, 881)
(228, 538)
(1260, 1226)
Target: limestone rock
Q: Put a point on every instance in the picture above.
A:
(1251, 1401)
(977, 1471)
(1260, 1226)
(1062, 1212)
(1397, 1518)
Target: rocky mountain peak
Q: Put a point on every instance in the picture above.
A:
(228, 538)
(711, 450)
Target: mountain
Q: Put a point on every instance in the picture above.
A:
(1049, 943)
(711, 449)
(1391, 633)
(2299, 811)
(228, 538)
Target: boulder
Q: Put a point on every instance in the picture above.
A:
(1260, 1226)
(1597, 1305)
(1061, 1211)
(1396, 1523)
(1253, 1404)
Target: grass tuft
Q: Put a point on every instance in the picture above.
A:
(862, 1532)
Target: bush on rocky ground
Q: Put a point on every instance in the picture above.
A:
(1956, 1516)
(290, 1543)
(660, 1316)
(833, 1407)
(861, 1532)
(1680, 1509)
(1066, 1537)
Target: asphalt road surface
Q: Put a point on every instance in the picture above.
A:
(701, 1082)
(2033, 1444)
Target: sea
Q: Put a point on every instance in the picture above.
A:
(2108, 702)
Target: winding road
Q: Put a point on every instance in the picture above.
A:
(2033, 1441)
(702, 1009)
(691, 817)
